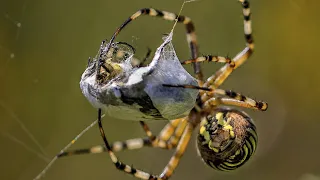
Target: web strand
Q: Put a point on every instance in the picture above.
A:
(43, 172)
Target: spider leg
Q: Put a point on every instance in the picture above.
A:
(118, 164)
(169, 135)
(117, 146)
(233, 99)
(190, 29)
(220, 76)
(179, 151)
(173, 141)
(171, 132)
(170, 167)
(210, 58)
(147, 130)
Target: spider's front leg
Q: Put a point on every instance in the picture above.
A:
(118, 164)
(231, 64)
(190, 32)
(214, 97)
(233, 99)
(220, 76)
(167, 172)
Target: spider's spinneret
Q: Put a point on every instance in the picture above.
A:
(227, 139)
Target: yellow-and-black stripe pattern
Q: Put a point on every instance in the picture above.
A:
(227, 139)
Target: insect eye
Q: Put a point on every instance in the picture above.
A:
(227, 139)
(121, 51)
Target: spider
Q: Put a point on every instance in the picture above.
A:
(227, 136)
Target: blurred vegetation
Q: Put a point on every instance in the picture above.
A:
(44, 46)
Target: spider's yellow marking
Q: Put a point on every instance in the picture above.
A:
(212, 147)
(220, 118)
(113, 157)
(127, 169)
(169, 16)
(96, 149)
(202, 129)
(141, 175)
(135, 15)
(187, 20)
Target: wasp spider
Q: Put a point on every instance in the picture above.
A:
(227, 137)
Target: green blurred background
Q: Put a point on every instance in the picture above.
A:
(44, 46)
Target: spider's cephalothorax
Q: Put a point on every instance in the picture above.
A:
(137, 93)
(227, 139)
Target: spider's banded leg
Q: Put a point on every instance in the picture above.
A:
(239, 99)
(210, 58)
(173, 141)
(131, 144)
(234, 97)
(117, 146)
(171, 134)
(162, 139)
(174, 161)
(191, 35)
(231, 101)
(118, 164)
(219, 77)
(169, 129)
(147, 130)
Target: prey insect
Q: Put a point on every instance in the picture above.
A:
(227, 137)
(138, 92)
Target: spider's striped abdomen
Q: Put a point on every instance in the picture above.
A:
(227, 139)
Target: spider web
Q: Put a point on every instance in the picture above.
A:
(11, 21)
(10, 33)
